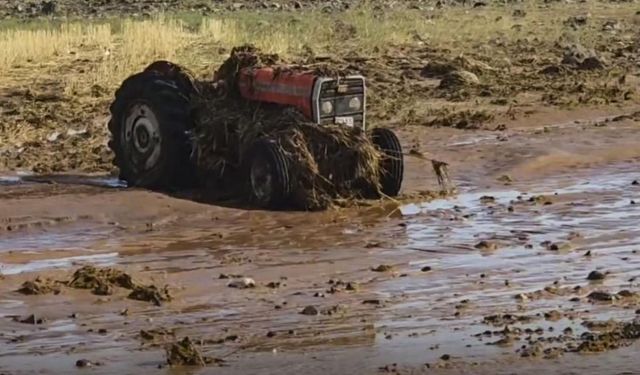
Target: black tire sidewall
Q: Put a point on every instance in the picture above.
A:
(171, 109)
(392, 163)
(270, 151)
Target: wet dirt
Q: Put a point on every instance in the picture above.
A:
(437, 303)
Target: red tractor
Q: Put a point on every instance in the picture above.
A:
(151, 127)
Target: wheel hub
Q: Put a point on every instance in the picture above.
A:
(261, 180)
(141, 132)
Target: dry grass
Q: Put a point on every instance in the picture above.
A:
(109, 54)
(27, 46)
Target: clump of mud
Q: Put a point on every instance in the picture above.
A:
(39, 286)
(327, 162)
(615, 335)
(150, 293)
(100, 280)
(186, 353)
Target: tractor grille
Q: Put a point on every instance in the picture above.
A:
(340, 93)
(353, 86)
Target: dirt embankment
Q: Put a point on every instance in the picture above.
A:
(102, 8)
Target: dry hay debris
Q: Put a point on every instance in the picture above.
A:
(326, 162)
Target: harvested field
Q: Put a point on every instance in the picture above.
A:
(530, 267)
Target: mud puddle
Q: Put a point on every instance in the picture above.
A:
(30, 178)
(452, 274)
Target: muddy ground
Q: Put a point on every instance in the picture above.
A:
(532, 267)
(494, 280)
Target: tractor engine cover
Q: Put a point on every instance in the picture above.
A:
(323, 100)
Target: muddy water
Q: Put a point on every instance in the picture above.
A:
(410, 315)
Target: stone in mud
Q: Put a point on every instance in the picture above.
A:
(611, 25)
(591, 63)
(553, 315)
(83, 363)
(487, 199)
(552, 70)
(150, 293)
(425, 269)
(559, 246)
(541, 199)
(635, 183)
(519, 13)
(486, 245)
(274, 285)
(574, 54)
(333, 310)
(505, 341)
(372, 244)
(352, 287)
(457, 79)
(576, 21)
(310, 310)
(627, 294)
(500, 320)
(382, 268)
(39, 286)
(601, 296)
(145, 335)
(185, 353)
(376, 302)
(243, 283)
(505, 178)
(437, 69)
(596, 275)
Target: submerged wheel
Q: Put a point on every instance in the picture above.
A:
(392, 163)
(268, 178)
(149, 120)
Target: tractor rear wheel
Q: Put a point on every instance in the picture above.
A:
(149, 120)
(392, 163)
(268, 178)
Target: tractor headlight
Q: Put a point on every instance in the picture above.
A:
(327, 108)
(355, 104)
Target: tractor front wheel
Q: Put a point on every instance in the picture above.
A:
(268, 178)
(392, 163)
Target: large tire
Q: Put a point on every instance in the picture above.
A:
(269, 182)
(150, 117)
(392, 163)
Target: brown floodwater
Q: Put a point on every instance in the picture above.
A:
(409, 315)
